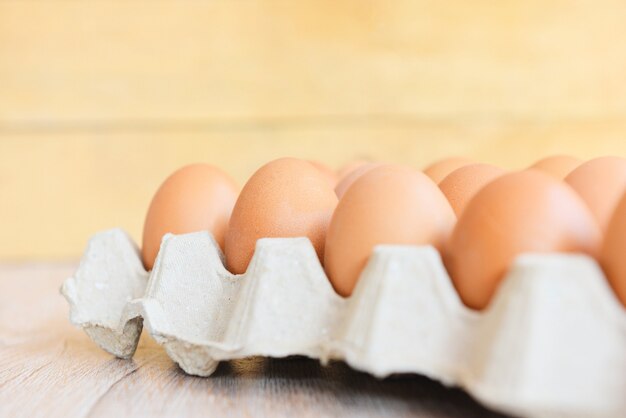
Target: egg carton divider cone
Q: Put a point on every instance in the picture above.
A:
(552, 342)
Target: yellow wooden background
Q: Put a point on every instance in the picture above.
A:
(99, 101)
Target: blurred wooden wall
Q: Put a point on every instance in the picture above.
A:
(99, 101)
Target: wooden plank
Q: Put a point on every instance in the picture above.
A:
(144, 61)
(53, 370)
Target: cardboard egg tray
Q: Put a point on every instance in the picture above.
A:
(551, 343)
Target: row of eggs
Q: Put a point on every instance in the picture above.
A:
(480, 217)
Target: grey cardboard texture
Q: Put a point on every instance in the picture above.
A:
(552, 343)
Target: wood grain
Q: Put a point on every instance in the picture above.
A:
(58, 189)
(101, 100)
(144, 60)
(49, 369)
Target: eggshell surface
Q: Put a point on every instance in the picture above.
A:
(285, 198)
(387, 205)
(528, 211)
(194, 198)
(440, 169)
(328, 172)
(601, 183)
(350, 178)
(613, 256)
(350, 167)
(558, 166)
(463, 183)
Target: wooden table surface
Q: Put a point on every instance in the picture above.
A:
(49, 368)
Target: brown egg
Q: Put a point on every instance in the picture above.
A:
(528, 211)
(601, 183)
(195, 198)
(387, 205)
(613, 256)
(328, 172)
(350, 178)
(440, 169)
(558, 166)
(287, 197)
(463, 183)
(350, 167)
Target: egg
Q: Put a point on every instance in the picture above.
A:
(387, 205)
(440, 169)
(350, 178)
(558, 166)
(285, 198)
(350, 167)
(326, 171)
(613, 255)
(463, 183)
(197, 197)
(522, 212)
(601, 183)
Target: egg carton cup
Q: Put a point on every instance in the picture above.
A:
(551, 344)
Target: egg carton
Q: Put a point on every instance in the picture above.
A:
(552, 342)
